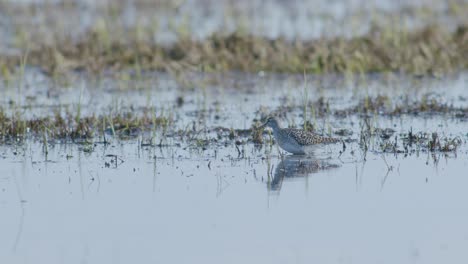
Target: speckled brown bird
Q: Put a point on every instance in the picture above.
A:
(296, 141)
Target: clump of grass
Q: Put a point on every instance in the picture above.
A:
(257, 135)
(71, 127)
(443, 145)
(421, 141)
(431, 50)
(384, 105)
(372, 105)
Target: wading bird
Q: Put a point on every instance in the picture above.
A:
(296, 141)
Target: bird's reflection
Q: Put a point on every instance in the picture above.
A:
(296, 166)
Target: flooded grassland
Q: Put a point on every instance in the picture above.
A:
(153, 172)
(148, 149)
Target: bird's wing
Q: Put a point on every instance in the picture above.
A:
(308, 138)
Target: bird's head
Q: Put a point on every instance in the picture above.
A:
(271, 121)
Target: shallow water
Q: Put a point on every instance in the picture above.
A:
(204, 196)
(181, 204)
(229, 100)
(213, 199)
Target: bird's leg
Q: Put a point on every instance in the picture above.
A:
(280, 153)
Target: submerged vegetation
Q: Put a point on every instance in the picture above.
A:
(131, 49)
(75, 127)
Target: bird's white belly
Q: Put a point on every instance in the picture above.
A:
(291, 147)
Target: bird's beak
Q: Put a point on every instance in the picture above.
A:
(263, 125)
